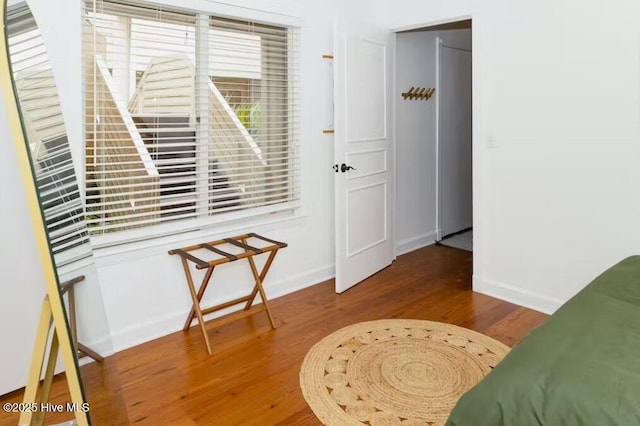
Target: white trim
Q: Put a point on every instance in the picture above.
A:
(111, 255)
(437, 121)
(101, 345)
(434, 23)
(252, 216)
(415, 243)
(154, 328)
(477, 153)
(151, 329)
(301, 281)
(392, 148)
(518, 296)
(266, 15)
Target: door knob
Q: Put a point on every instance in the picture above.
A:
(344, 168)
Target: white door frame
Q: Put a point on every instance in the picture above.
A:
(438, 47)
(478, 146)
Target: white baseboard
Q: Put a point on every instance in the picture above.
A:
(157, 327)
(300, 281)
(103, 345)
(128, 337)
(414, 243)
(517, 296)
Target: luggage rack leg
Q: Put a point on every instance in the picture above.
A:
(196, 301)
(203, 287)
(258, 285)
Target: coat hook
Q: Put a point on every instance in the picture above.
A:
(407, 93)
(430, 92)
(422, 93)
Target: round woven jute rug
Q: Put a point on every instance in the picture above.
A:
(395, 372)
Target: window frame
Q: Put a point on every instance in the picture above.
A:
(241, 218)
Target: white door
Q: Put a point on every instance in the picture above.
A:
(362, 71)
(454, 141)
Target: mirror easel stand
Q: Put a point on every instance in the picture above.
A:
(68, 287)
(36, 394)
(36, 391)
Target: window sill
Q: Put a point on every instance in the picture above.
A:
(113, 254)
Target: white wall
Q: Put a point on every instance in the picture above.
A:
(144, 288)
(556, 139)
(20, 273)
(416, 135)
(556, 151)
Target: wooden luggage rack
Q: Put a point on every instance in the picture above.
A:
(222, 257)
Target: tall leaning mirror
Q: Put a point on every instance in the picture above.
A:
(81, 386)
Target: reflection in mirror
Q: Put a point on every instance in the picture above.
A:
(47, 138)
(63, 212)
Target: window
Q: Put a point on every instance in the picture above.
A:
(188, 117)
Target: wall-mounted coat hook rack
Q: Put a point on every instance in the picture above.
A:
(420, 93)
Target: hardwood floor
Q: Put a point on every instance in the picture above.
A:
(252, 377)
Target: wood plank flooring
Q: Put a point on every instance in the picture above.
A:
(252, 377)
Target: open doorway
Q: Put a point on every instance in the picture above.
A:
(434, 137)
(453, 143)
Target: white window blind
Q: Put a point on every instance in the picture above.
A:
(43, 123)
(187, 116)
